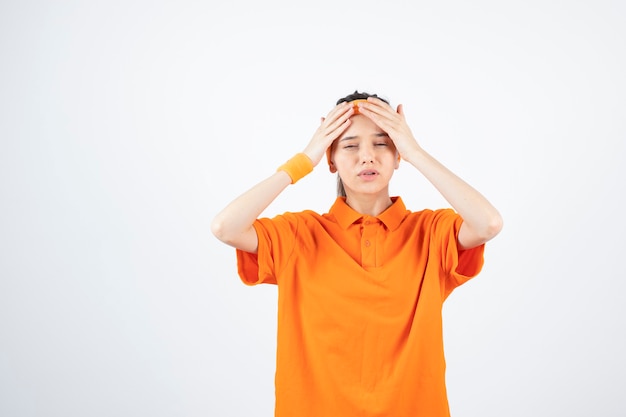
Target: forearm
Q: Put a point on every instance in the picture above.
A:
(234, 224)
(235, 221)
(477, 212)
(481, 221)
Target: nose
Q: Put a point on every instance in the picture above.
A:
(366, 155)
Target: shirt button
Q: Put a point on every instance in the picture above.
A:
(367, 222)
(367, 243)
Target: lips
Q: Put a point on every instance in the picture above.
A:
(368, 173)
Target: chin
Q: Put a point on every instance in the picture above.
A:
(365, 190)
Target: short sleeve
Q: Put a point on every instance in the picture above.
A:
(458, 266)
(276, 242)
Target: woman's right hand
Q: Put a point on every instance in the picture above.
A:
(331, 127)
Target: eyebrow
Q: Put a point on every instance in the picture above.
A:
(347, 138)
(378, 135)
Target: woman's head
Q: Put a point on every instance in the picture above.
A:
(362, 126)
(364, 156)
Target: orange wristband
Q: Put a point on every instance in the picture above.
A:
(297, 167)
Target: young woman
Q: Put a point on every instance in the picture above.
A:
(360, 288)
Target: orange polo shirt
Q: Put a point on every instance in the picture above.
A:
(359, 308)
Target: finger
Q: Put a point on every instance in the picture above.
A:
(375, 101)
(384, 116)
(377, 106)
(338, 110)
(339, 121)
(337, 130)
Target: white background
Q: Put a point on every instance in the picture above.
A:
(126, 125)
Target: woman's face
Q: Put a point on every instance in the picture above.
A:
(365, 158)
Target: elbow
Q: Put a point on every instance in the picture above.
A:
(494, 226)
(224, 231)
(470, 237)
(217, 228)
(490, 229)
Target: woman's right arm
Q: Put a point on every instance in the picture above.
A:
(234, 224)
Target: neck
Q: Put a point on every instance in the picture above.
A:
(371, 205)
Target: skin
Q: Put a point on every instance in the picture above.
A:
(367, 143)
(365, 158)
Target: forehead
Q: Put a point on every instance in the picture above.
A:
(361, 126)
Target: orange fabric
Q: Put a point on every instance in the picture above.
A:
(356, 106)
(297, 167)
(359, 308)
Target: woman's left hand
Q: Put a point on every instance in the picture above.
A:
(392, 122)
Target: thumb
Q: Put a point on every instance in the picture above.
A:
(400, 109)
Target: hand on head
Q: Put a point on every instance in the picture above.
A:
(330, 128)
(393, 122)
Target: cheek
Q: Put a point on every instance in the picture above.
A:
(339, 155)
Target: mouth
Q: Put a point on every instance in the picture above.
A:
(368, 173)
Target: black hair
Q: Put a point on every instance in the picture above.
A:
(359, 96)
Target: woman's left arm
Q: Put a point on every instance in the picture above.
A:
(481, 221)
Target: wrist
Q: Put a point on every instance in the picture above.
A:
(415, 156)
(297, 167)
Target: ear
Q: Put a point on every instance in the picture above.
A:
(398, 159)
(329, 154)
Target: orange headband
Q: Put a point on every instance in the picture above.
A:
(356, 106)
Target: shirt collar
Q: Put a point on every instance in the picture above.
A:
(392, 217)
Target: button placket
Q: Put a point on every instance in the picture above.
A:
(368, 243)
